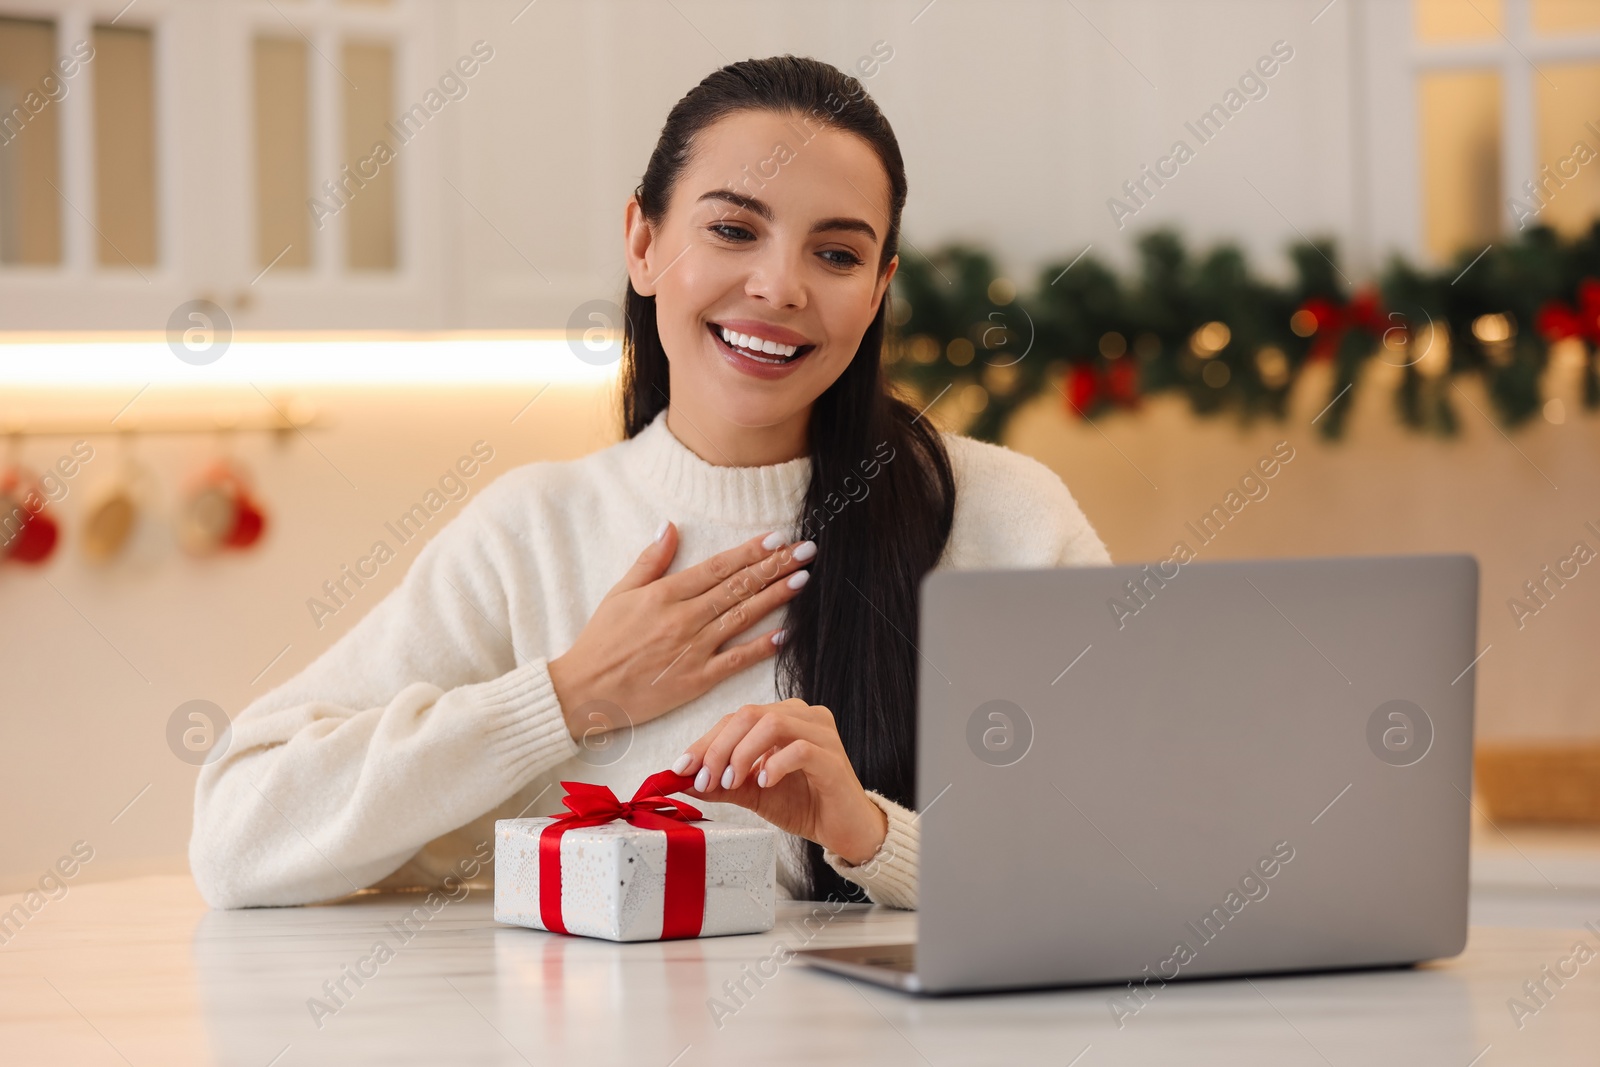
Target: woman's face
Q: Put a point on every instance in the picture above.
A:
(771, 236)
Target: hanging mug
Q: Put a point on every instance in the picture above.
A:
(218, 511)
(28, 532)
(113, 511)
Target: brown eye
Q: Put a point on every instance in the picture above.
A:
(721, 226)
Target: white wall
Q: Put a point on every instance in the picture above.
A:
(1017, 121)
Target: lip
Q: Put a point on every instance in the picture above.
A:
(744, 363)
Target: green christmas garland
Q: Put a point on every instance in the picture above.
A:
(1208, 327)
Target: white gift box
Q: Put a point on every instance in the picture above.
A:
(614, 878)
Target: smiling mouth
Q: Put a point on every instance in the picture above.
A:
(760, 357)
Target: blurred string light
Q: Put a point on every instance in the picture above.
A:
(1491, 328)
(1273, 365)
(960, 351)
(1210, 339)
(357, 359)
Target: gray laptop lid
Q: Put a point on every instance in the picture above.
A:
(1220, 768)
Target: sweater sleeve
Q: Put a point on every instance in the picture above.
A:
(426, 714)
(890, 876)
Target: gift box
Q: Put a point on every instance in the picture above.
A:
(648, 869)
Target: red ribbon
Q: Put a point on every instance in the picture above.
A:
(650, 809)
(1557, 320)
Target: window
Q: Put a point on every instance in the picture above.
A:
(30, 137)
(40, 70)
(368, 107)
(1460, 124)
(1508, 108)
(324, 91)
(124, 147)
(282, 152)
(1563, 120)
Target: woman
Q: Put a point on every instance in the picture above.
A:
(760, 247)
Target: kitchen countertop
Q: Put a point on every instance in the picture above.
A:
(141, 972)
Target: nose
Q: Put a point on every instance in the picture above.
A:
(777, 278)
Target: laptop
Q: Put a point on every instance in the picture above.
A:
(1150, 773)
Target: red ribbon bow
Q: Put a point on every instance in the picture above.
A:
(650, 809)
(1558, 321)
(1332, 321)
(1087, 384)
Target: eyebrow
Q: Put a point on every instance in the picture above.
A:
(760, 207)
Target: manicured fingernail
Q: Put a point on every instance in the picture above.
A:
(661, 530)
(780, 637)
(682, 763)
(727, 777)
(798, 579)
(772, 541)
(702, 781)
(761, 779)
(805, 550)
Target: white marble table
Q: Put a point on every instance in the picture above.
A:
(139, 972)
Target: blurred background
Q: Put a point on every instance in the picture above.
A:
(269, 270)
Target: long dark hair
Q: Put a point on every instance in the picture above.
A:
(882, 495)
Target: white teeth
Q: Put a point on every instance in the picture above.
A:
(752, 344)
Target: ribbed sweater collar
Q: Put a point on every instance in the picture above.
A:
(767, 496)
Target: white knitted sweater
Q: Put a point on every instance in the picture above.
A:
(387, 760)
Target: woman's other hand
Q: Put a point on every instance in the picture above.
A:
(652, 644)
(786, 763)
